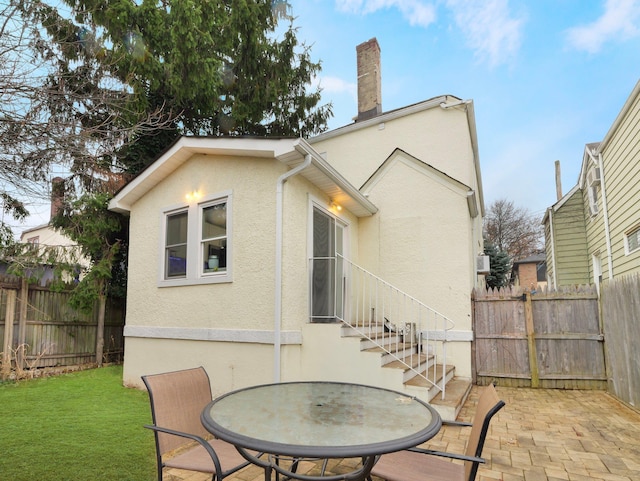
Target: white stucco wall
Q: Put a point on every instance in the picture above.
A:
(252, 183)
(228, 328)
(436, 136)
(229, 365)
(242, 309)
(423, 240)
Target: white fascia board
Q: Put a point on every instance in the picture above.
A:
(350, 196)
(384, 117)
(616, 123)
(185, 148)
(288, 150)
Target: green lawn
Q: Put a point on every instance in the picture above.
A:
(83, 426)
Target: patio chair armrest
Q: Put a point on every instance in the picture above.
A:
(456, 423)
(194, 437)
(443, 454)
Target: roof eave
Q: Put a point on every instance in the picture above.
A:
(289, 151)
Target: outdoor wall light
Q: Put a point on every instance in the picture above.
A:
(336, 207)
(194, 195)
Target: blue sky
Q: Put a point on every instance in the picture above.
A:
(546, 76)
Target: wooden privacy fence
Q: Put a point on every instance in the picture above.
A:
(549, 339)
(39, 328)
(620, 299)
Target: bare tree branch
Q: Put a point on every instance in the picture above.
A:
(513, 230)
(60, 108)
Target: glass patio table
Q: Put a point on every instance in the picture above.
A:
(319, 420)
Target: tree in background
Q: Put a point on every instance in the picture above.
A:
(101, 235)
(210, 68)
(98, 88)
(513, 230)
(114, 82)
(60, 109)
(500, 266)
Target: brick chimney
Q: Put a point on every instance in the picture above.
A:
(57, 195)
(369, 80)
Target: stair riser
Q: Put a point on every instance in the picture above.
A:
(411, 373)
(433, 391)
(371, 331)
(387, 342)
(399, 354)
(414, 382)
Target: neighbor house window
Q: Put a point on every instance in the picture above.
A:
(197, 242)
(593, 199)
(632, 240)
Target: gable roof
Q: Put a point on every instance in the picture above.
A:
(442, 177)
(555, 207)
(444, 102)
(399, 153)
(591, 150)
(289, 151)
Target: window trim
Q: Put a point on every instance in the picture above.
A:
(194, 274)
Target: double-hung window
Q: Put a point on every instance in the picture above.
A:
(175, 260)
(197, 243)
(213, 238)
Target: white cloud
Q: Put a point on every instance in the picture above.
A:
(335, 85)
(417, 12)
(619, 21)
(489, 28)
(487, 25)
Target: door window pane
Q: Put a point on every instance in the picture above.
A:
(323, 282)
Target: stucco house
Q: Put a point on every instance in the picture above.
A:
(593, 232)
(269, 260)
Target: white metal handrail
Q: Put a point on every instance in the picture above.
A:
(405, 328)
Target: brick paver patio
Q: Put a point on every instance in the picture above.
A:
(540, 435)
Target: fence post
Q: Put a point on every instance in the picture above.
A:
(7, 345)
(531, 341)
(21, 352)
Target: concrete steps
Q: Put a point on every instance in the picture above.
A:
(413, 367)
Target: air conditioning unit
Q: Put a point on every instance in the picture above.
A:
(483, 266)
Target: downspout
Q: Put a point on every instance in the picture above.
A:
(277, 328)
(605, 214)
